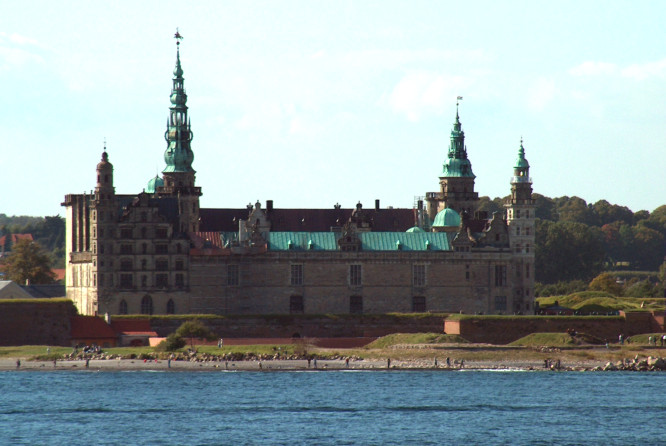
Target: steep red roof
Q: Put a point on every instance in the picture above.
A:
(14, 239)
(307, 220)
(90, 327)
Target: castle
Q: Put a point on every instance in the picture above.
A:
(158, 252)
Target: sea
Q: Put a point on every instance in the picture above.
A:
(332, 408)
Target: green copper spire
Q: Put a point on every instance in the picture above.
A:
(457, 164)
(178, 155)
(521, 170)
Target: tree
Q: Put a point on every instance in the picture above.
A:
(567, 251)
(607, 283)
(28, 263)
(194, 329)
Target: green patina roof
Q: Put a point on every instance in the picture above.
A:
(457, 164)
(415, 229)
(447, 218)
(153, 184)
(521, 162)
(370, 241)
(303, 241)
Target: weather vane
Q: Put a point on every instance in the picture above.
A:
(178, 37)
(458, 100)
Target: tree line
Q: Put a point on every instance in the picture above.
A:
(578, 241)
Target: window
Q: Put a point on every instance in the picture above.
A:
(296, 304)
(356, 304)
(297, 274)
(179, 264)
(355, 275)
(233, 278)
(126, 281)
(162, 265)
(500, 275)
(144, 281)
(161, 280)
(527, 270)
(180, 281)
(518, 213)
(418, 304)
(527, 248)
(161, 233)
(147, 305)
(517, 230)
(466, 272)
(171, 307)
(126, 249)
(125, 232)
(143, 264)
(500, 303)
(126, 265)
(418, 275)
(144, 232)
(122, 308)
(144, 248)
(527, 231)
(161, 248)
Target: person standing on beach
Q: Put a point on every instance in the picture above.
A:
(18, 363)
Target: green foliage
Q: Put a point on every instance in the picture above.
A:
(172, 343)
(555, 340)
(194, 329)
(49, 232)
(602, 303)
(567, 251)
(29, 263)
(607, 283)
(559, 288)
(415, 338)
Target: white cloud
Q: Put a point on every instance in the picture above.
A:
(644, 71)
(540, 94)
(425, 92)
(591, 68)
(23, 40)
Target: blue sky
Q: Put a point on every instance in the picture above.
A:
(315, 103)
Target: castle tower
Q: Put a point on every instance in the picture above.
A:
(179, 176)
(457, 179)
(520, 219)
(102, 227)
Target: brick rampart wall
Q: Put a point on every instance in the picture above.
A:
(505, 330)
(307, 326)
(38, 322)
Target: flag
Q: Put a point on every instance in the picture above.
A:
(460, 98)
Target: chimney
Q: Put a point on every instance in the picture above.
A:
(269, 205)
(377, 204)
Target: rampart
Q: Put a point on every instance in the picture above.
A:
(35, 321)
(506, 329)
(310, 326)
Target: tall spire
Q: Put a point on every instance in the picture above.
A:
(178, 155)
(457, 164)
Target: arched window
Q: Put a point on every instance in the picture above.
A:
(147, 305)
(171, 307)
(122, 308)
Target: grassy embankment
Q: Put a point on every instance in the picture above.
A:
(601, 302)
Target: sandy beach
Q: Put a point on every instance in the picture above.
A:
(114, 365)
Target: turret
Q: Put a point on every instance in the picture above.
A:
(456, 180)
(521, 221)
(179, 176)
(104, 176)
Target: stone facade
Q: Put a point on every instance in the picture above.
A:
(157, 252)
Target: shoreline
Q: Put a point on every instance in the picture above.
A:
(276, 365)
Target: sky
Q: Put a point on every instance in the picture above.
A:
(311, 103)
